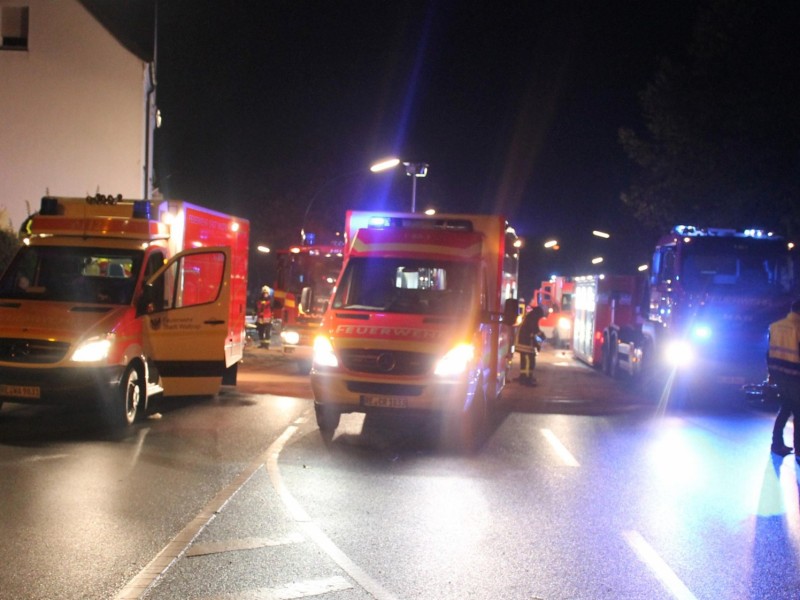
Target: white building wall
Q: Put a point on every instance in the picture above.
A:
(72, 111)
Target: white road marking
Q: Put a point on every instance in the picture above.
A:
(375, 589)
(292, 591)
(175, 549)
(43, 457)
(243, 544)
(560, 449)
(138, 586)
(656, 564)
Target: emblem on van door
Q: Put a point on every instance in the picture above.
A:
(386, 362)
(155, 324)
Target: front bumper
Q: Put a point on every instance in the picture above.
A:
(61, 385)
(346, 393)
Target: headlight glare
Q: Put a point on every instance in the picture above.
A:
(290, 337)
(679, 353)
(323, 352)
(455, 361)
(701, 332)
(92, 350)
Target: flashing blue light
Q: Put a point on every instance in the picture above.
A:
(757, 233)
(702, 332)
(379, 222)
(141, 209)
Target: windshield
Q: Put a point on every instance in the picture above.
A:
(407, 286)
(737, 264)
(66, 274)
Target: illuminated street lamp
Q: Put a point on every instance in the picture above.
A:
(413, 170)
(601, 234)
(263, 249)
(551, 244)
(383, 165)
(597, 261)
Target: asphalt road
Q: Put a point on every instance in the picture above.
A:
(582, 489)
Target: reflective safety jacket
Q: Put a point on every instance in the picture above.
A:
(783, 359)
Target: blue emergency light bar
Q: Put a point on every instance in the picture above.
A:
(692, 231)
(378, 222)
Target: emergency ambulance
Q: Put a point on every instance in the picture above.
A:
(421, 320)
(115, 301)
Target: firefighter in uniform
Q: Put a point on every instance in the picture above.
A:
(264, 316)
(529, 338)
(783, 364)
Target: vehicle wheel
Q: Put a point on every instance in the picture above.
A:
(327, 418)
(131, 396)
(605, 363)
(613, 358)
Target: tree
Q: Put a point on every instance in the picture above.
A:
(9, 243)
(722, 139)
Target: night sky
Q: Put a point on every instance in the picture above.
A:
(515, 106)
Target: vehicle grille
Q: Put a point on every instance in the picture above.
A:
(387, 362)
(31, 351)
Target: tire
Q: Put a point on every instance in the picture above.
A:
(613, 360)
(327, 418)
(130, 398)
(604, 363)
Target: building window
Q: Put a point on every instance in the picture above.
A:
(14, 28)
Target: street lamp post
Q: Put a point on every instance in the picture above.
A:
(413, 169)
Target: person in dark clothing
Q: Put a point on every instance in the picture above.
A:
(783, 364)
(529, 340)
(264, 316)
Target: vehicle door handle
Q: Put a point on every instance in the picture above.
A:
(214, 322)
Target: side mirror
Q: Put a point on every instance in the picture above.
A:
(510, 311)
(147, 301)
(306, 299)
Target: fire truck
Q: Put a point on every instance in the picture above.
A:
(608, 322)
(116, 301)
(705, 309)
(555, 298)
(303, 286)
(422, 320)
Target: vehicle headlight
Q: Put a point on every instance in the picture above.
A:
(679, 353)
(323, 352)
(701, 332)
(92, 350)
(564, 323)
(456, 361)
(290, 337)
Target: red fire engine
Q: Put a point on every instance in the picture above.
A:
(303, 286)
(555, 298)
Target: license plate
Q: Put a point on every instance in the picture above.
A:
(385, 401)
(20, 391)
